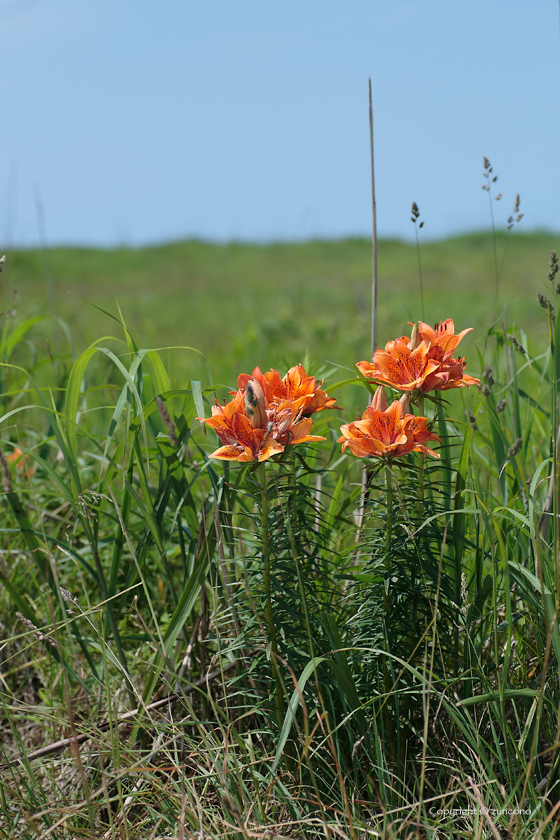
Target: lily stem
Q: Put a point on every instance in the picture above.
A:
(419, 519)
(267, 583)
(387, 683)
(422, 458)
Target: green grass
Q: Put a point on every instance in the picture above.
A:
(243, 305)
(417, 653)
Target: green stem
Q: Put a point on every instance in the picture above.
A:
(387, 685)
(420, 273)
(267, 583)
(389, 525)
(422, 457)
(496, 271)
(419, 519)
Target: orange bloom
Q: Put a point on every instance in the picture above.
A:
(426, 367)
(296, 387)
(250, 430)
(21, 465)
(400, 367)
(387, 432)
(442, 339)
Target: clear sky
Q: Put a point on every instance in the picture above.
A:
(134, 121)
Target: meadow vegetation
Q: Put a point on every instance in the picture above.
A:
(312, 644)
(275, 303)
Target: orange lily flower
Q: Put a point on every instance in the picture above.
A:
(423, 368)
(441, 338)
(21, 465)
(250, 430)
(400, 367)
(296, 387)
(387, 432)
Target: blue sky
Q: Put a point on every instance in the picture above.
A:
(134, 122)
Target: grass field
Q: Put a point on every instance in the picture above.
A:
(296, 642)
(240, 303)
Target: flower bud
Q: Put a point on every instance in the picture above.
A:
(379, 400)
(255, 404)
(415, 338)
(405, 402)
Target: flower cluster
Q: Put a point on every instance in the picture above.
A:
(303, 391)
(266, 414)
(421, 363)
(416, 365)
(387, 432)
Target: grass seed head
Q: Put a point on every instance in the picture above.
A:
(501, 406)
(472, 419)
(553, 268)
(543, 300)
(67, 596)
(487, 374)
(514, 448)
(517, 345)
(37, 633)
(486, 173)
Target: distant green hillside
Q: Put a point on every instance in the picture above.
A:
(243, 305)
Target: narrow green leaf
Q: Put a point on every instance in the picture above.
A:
(292, 707)
(197, 396)
(445, 455)
(10, 341)
(73, 393)
(497, 697)
(459, 517)
(184, 608)
(161, 377)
